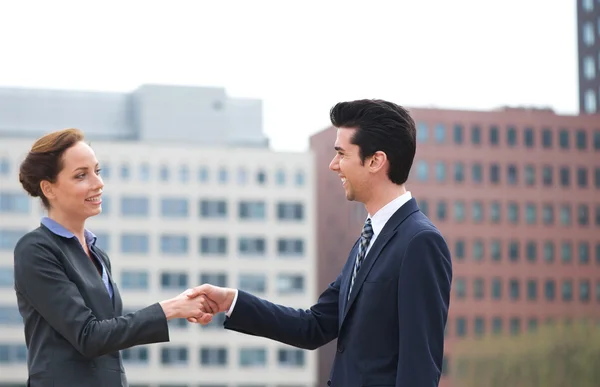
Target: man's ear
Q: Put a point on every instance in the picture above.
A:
(377, 161)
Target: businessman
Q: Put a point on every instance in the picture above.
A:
(388, 307)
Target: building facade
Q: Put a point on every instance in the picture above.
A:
(588, 47)
(175, 216)
(516, 194)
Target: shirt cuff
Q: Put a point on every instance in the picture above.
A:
(228, 314)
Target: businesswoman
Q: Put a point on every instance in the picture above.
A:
(72, 310)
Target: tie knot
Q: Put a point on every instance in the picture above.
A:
(367, 231)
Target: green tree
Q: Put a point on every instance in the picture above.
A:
(561, 355)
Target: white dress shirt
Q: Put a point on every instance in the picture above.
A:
(378, 221)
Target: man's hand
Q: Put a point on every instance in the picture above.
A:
(183, 306)
(218, 299)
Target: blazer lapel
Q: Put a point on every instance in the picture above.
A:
(368, 263)
(347, 275)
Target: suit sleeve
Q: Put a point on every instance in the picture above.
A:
(41, 280)
(307, 329)
(423, 301)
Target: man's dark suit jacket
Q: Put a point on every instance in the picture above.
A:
(391, 331)
(73, 330)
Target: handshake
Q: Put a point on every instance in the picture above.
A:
(200, 304)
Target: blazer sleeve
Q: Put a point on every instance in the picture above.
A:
(307, 329)
(423, 300)
(41, 280)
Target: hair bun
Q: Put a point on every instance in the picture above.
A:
(32, 189)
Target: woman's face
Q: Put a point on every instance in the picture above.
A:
(77, 192)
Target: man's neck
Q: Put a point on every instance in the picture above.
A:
(380, 198)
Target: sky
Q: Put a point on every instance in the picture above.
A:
(300, 58)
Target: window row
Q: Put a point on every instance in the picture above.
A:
(173, 207)
(514, 250)
(530, 175)
(529, 290)
(516, 213)
(217, 356)
(141, 280)
(510, 135)
(495, 325)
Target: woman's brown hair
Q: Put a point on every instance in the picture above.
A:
(44, 160)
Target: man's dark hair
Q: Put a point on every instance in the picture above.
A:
(380, 126)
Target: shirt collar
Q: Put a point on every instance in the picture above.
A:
(381, 217)
(59, 230)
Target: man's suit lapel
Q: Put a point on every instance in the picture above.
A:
(387, 233)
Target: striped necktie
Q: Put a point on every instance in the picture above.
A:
(365, 238)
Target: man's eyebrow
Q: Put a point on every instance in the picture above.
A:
(338, 148)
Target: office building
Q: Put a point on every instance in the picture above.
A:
(516, 194)
(177, 214)
(588, 48)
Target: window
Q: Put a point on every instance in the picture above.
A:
(184, 174)
(459, 172)
(223, 175)
(163, 173)
(440, 133)
(531, 251)
(588, 35)
(497, 325)
(550, 290)
(4, 166)
(135, 243)
(597, 132)
(458, 134)
(513, 251)
(290, 211)
(531, 213)
(477, 211)
(213, 245)
(549, 251)
(253, 283)
(496, 288)
(440, 171)
(479, 327)
(213, 209)
(14, 203)
(461, 327)
(13, 354)
(581, 139)
(459, 211)
(548, 214)
(514, 289)
(213, 356)
(441, 210)
(567, 290)
(584, 253)
(583, 215)
(242, 176)
(460, 288)
(477, 173)
(174, 355)
(424, 206)
(496, 250)
(203, 174)
(495, 173)
(528, 137)
(476, 135)
(290, 358)
(280, 177)
(588, 5)
(135, 355)
(299, 178)
(288, 284)
(584, 290)
(494, 136)
(478, 250)
(174, 207)
(530, 175)
(512, 175)
(252, 246)
(6, 277)
(495, 212)
(290, 247)
(597, 177)
(597, 215)
(531, 290)
(589, 67)
(513, 212)
(134, 206)
(459, 249)
(261, 177)
(566, 252)
(216, 278)
(547, 173)
(252, 210)
(174, 244)
(565, 214)
(422, 170)
(515, 326)
(134, 280)
(478, 292)
(253, 357)
(125, 172)
(422, 132)
(563, 139)
(511, 136)
(582, 177)
(547, 138)
(565, 177)
(173, 280)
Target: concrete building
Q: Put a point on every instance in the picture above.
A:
(515, 192)
(175, 215)
(588, 47)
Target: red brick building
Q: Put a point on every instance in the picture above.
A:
(515, 192)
